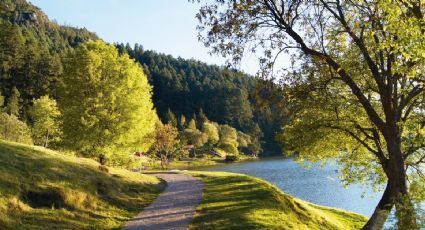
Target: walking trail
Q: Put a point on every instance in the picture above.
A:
(175, 206)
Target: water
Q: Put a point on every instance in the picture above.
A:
(316, 185)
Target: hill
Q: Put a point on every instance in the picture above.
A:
(44, 189)
(236, 201)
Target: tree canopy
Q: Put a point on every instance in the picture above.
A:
(106, 103)
(355, 85)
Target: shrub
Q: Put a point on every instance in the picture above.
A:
(12, 129)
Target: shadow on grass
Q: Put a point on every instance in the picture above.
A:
(87, 196)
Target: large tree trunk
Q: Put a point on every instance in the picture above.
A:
(382, 210)
(396, 193)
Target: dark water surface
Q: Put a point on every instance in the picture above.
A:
(316, 185)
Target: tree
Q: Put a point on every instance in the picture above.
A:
(171, 118)
(362, 62)
(228, 140)
(12, 129)
(166, 142)
(202, 118)
(211, 132)
(192, 124)
(13, 104)
(106, 103)
(182, 122)
(45, 117)
(1, 102)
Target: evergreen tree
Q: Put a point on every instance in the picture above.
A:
(192, 124)
(182, 122)
(201, 118)
(171, 118)
(106, 103)
(13, 104)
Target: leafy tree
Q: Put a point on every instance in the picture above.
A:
(106, 103)
(165, 145)
(211, 131)
(45, 118)
(13, 104)
(361, 72)
(228, 140)
(12, 129)
(189, 87)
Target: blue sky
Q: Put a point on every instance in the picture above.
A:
(167, 26)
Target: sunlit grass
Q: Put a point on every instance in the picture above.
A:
(86, 197)
(236, 201)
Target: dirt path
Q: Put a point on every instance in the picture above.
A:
(175, 206)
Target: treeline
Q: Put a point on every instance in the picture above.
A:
(226, 96)
(61, 87)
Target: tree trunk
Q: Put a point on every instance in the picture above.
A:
(396, 193)
(382, 210)
(46, 139)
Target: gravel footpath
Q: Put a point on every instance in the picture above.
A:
(175, 206)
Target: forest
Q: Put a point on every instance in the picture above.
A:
(53, 87)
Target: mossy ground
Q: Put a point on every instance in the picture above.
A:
(80, 195)
(236, 201)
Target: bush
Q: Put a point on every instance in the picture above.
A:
(12, 129)
(232, 157)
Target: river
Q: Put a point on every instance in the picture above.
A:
(318, 185)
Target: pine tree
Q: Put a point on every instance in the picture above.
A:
(13, 104)
(192, 124)
(171, 118)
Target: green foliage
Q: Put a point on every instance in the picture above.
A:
(13, 104)
(211, 131)
(1, 101)
(192, 124)
(45, 117)
(106, 103)
(222, 95)
(166, 142)
(228, 140)
(195, 137)
(12, 129)
(171, 118)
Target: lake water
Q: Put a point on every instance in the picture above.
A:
(316, 185)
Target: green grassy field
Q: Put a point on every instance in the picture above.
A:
(43, 189)
(236, 201)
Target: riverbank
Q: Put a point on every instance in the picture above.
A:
(195, 164)
(236, 201)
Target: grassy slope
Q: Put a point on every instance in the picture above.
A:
(89, 198)
(235, 201)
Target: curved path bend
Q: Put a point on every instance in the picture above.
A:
(175, 206)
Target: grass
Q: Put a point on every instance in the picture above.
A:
(236, 201)
(43, 189)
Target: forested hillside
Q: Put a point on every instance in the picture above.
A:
(189, 88)
(34, 50)
(31, 48)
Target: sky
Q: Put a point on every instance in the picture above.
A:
(166, 26)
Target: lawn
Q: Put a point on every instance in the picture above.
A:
(44, 189)
(236, 201)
